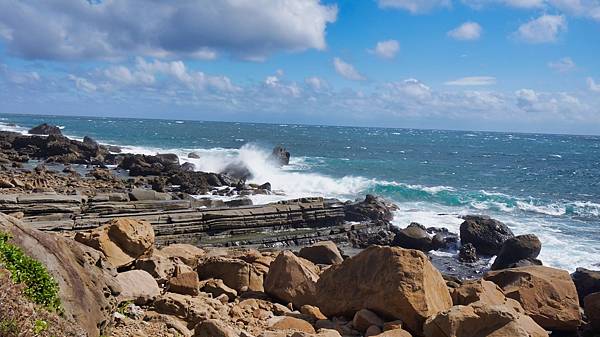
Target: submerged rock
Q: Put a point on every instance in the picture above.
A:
(467, 253)
(486, 234)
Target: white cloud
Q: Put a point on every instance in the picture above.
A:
(346, 70)
(77, 29)
(525, 3)
(18, 77)
(83, 84)
(414, 6)
(316, 83)
(466, 32)
(473, 81)
(386, 49)
(544, 29)
(584, 8)
(563, 65)
(592, 85)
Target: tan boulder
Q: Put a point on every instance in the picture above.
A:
(235, 273)
(292, 279)
(480, 319)
(188, 254)
(393, 325)
(159, 266)
(290, 323)
(324, 252)
(365, 318)
(120, 240)
(547, 294)
(184, 281)
(395, 333)
(190, 309)
(592, 309)
(312, 311)
(395, 283)
(137, 286)
(214, 328)
(478, 290)
(216, 287)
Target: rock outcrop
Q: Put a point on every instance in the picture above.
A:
(393, 282)
(547, 294)
(373, 208)
(518, 251)
(280, 156)
(292, 279)
(45, 129)
(485, 234)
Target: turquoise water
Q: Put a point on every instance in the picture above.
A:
(545, 184)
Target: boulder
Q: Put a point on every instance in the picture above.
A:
(373, 208)
(216, 288)
(586, 281)
(190, 309)
(414, 236)
(184, 281)
(86, 282)
(324, 252)
(290, 323)
(188, 254)
(292, 279)
(45, 129)
(193, 155)
(486, 234)
(120, 240)
(313, 312)
(478, 290)
(467, 253)
(159, 266)
(591, 303)
(90, 141)
(394, 333)
(280, 156)
(214, 328)
(547, 294)
(168, 158)
(235, 273)
(365, 318)
(480, 319)
(517, 250)
(137, 286)
(393, 282)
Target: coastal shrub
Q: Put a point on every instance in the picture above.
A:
(40, 287)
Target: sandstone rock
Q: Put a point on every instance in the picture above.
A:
(235, 273)
(121, 240)
(487, 235)
(467, 253)
(414, 236)
(188, 254)
(159, 266)
(86, 283)
(592, 309)
(586, 281)
(478, 290)
(185, 281)
(395, 283)
(393, 325)
(214, 328)
(324, 252)
(313, 312)
(137, 286)
(290, 323)
(373, 330)
(292, 279)
(514, 250)
(481, 319)
(547, 294)
(394, 333)
(45, 129)
(141, 194)
(190, 309)
(365, 318)
(216, 287)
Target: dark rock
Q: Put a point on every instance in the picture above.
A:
(238, 171)
(487, 235)
(280, 156)
(142, 165)
(414, 236)
(45, 129)
(467, 253)
(586, 281)
(114, 149)
(193, 155)
(188, 166)
(265, 186)
(523, 247)
(89, 141)
(239, 202)
(371, 209)
(168, 158)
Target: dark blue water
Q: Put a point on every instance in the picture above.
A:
(545, 184)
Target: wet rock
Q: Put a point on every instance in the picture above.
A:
(187, 166)
(516, 250)
(191, 182)
(393, 282)
(414, 236)
(487, 235)
(168, 158)
(280, 156)
(586, 281)
(89, 141)
(547, 294)
(292, 279)
(467, 253)
(324, 252)
(371, 209)
(193, 155)
(237, 171)
(45, 129)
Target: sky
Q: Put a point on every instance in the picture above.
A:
(500, 65)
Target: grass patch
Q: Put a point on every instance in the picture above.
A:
(40, 287)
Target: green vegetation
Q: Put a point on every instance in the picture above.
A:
(40, 326)
(8, 327)
(40, 287)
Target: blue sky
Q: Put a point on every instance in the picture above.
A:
(516, 65)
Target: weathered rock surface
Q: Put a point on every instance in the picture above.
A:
(184, 281)
(414, 236)
(480, 319)
(364, 318)
(137, 286)
(87, 285)
(518, 250)
(487, 235)
(235, 273)
(547, 294)
(214, 328)
(586, 281)
(292, 279)
(291, 323)
(216, 287)
(121, 240)
(323, 252)
(478, 290)
(395, 283)
(467, 253)
(592, 310)
(188, 254)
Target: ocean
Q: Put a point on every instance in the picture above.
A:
(544, 184)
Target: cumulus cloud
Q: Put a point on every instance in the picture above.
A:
(347, 70)
(414, 6)
(386, 49)
(544, 29)
(592, 85)
(80, 29)
(316, 83)
(468, 31)
(584, 8)
(473, 81)
(563, 65)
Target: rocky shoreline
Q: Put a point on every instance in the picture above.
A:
(136, 254)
